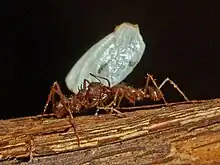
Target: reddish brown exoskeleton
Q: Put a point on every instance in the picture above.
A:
(93, 95)
(121, 91)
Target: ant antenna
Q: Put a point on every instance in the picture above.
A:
(100, 77)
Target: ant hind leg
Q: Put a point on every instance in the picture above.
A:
(150, 77)
(175, 86)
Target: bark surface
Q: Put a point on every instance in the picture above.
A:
(181, 133)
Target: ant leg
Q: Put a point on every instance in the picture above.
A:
(114, 101)
(120, 100)
(48, 100)
(112, 110)
(175, 86)
(99, 104)
(123, 95)
(54, 89)
(73, 124)
(150, 77)
(72, 121)
(131, 100)
(111, 104)
(97, 110)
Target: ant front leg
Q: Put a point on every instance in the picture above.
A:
(54, 89)
(175, 86)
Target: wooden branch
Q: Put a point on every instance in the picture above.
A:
(182, 133)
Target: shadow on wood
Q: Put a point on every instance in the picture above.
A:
(181, 133)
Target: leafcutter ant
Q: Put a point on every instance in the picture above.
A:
(97, 95)
(123, 91)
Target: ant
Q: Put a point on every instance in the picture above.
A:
(97, 95)
(121, 91)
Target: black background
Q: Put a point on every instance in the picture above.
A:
(41, 41)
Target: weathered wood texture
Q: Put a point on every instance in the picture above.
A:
(185, 133)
